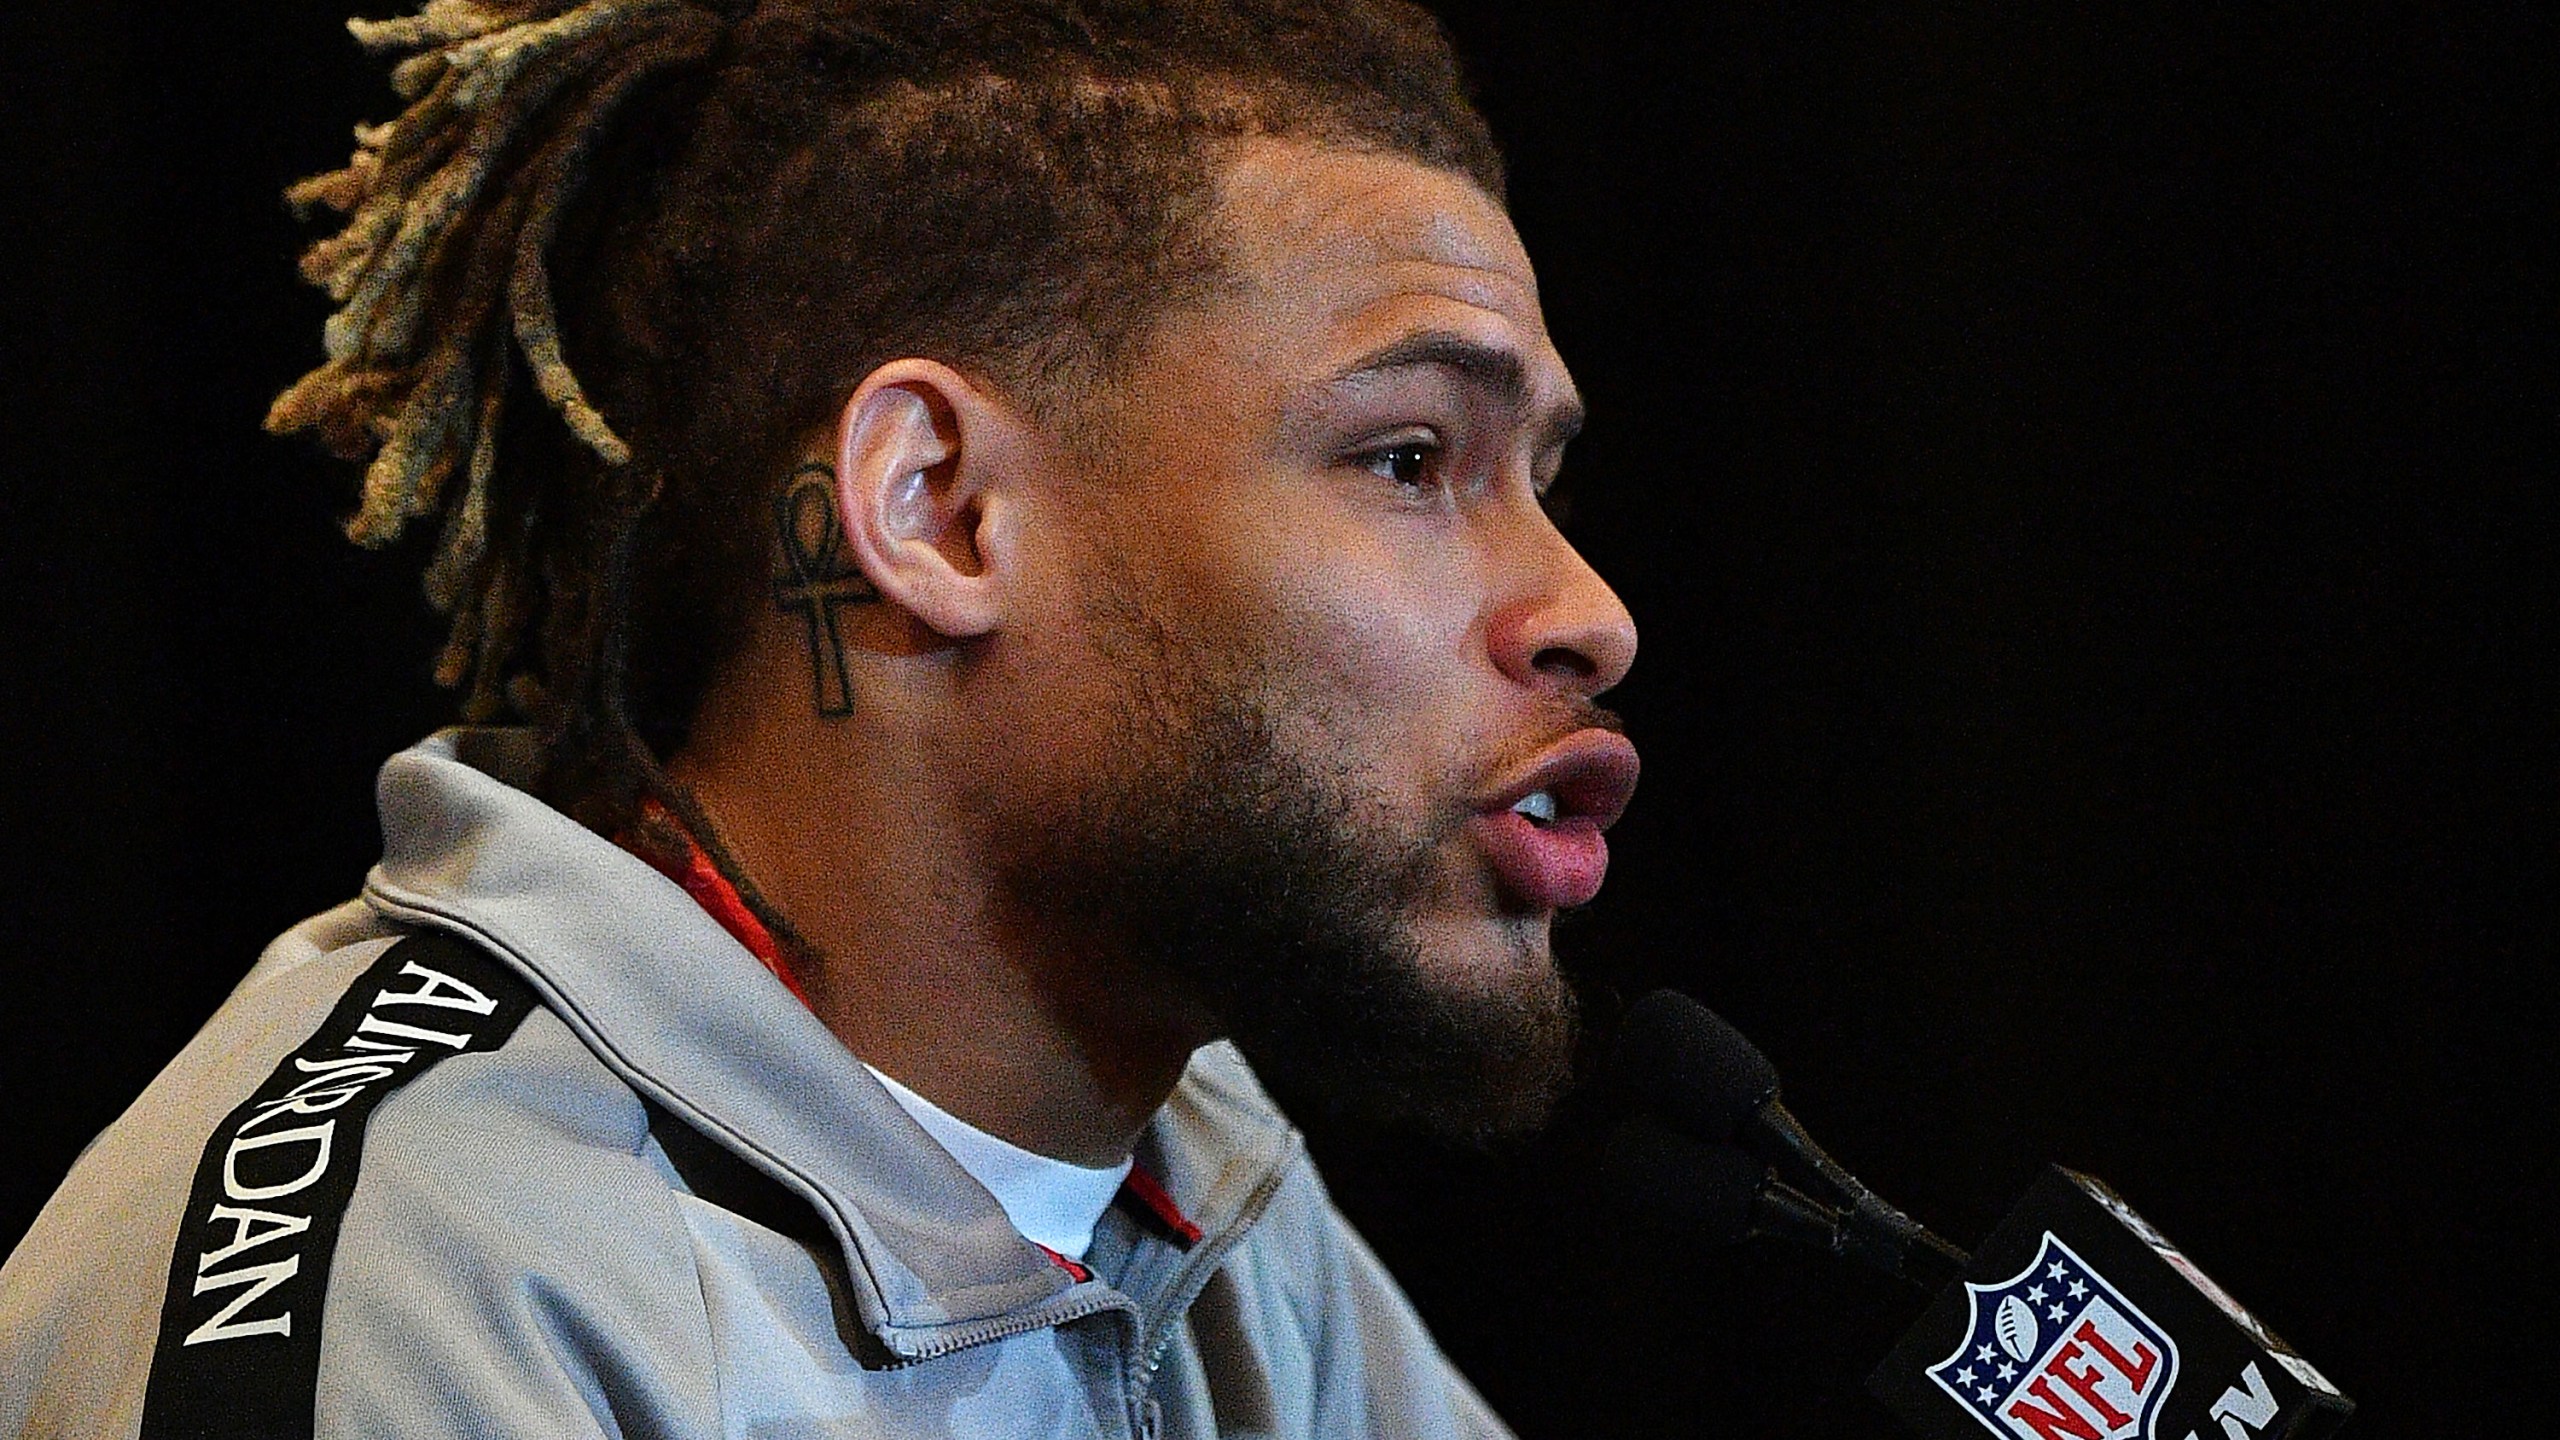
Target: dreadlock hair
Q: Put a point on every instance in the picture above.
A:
(741, 209)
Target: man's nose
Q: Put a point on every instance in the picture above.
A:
(1563, 626)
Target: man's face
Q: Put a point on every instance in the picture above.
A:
(1319, 739)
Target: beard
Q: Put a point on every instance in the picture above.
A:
(1267, 885)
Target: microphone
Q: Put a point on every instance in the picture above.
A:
(2075, 1320)
(1720, 1193)
(1680, 1060)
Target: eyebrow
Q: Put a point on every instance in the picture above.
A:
(1495, 370)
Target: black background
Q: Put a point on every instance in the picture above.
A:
(2071, 469)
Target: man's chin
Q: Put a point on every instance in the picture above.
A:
(1473, 950)
(1470, 1045)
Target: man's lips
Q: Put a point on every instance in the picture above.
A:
(1560, 862)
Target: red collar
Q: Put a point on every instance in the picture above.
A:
(712, 891)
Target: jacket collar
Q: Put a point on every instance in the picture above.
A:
(666, 998)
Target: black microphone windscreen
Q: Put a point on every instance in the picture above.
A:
(1702, 1193)
(1680, 1060)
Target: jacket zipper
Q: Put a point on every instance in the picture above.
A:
(1006, 1329)
(1202, 1263)
(1199, 1266)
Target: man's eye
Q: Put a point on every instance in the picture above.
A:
(1406, 462)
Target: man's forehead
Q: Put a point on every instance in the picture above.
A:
(1328, 204)
(1351, 251)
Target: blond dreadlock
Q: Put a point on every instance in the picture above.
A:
(426, 396)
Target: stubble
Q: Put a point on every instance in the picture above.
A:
(1254, 871)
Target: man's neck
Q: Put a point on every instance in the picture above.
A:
(1038, 1038)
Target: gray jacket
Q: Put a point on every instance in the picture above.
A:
(596, 1172)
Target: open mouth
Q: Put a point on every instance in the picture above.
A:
(1543, 835)
(1539, 806)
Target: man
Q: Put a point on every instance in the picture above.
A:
(1015, 546)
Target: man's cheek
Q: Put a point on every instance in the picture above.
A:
(1393, 643)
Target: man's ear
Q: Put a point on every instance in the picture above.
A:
(922, 457)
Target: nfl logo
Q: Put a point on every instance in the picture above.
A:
(2056, 1353)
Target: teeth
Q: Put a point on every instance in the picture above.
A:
(1539, 806)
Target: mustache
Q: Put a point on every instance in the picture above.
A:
(1588, 714)
(1558, 718)
(1570, 715)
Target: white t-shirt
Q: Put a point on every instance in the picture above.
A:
(1050, 1201)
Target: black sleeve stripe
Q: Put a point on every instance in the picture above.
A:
(239, 1349)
